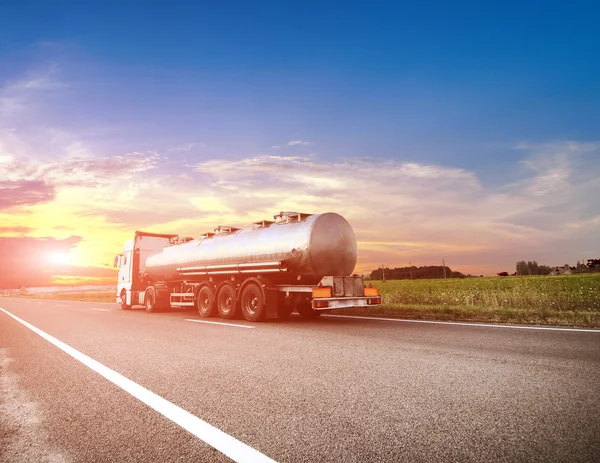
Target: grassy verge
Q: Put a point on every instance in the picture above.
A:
(91, 296)
(570, 300)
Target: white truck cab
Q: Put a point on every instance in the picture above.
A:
(131, 263)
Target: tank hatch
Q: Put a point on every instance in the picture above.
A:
(288, 217)
(179, 240)
(263, 224)
(223, 230)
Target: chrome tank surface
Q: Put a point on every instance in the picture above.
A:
(315, 246)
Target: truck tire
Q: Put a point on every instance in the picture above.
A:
(205, 303)
(253, 303)
(150, 300)
(124, 304)
(305, 310)
(227, 302)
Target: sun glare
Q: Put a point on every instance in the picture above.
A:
(59, 258)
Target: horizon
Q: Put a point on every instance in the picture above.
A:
(469, 136)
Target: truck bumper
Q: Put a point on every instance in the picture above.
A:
(329, 303)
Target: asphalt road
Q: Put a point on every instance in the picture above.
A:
(332, 389)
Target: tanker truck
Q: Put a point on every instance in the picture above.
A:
(295, 262)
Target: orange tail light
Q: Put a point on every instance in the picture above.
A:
(370, 292)
(321, 292)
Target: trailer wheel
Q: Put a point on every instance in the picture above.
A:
(150, 300)
(305, 310)
(124, 304)
(205, 302)
(226, 301)
(253, 303)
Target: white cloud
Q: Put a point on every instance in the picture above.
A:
(293, 143)
(68, 161)
(423, 212)
(209, 204)
(17, 96)
(35, 82)
(185, 147)
(400, 210)
(257, 164)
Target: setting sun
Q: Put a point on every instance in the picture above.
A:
(60, 258)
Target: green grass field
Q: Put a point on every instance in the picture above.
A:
(561, 300)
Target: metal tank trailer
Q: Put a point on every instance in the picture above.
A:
(298, 261)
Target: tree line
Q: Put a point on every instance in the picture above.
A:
(532, 268)
(415, 273)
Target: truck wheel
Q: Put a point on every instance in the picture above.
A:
(205, 302)
(226, 302)
(150, 300)
(124, 304)
(253, 303)
(306, 311)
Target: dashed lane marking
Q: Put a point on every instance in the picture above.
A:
(224, 443)
(217, 323)
(102, 310)
(482, 325)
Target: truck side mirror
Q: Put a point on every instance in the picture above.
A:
(116, 263)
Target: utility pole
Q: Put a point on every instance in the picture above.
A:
(410, 269)
(444, 265)
(382, 273)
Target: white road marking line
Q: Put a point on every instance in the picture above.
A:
(102, 310)
(61, 305)
(217, 323)
(226, 444)
(431, 322)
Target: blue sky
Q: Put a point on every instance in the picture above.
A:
(497, 91)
